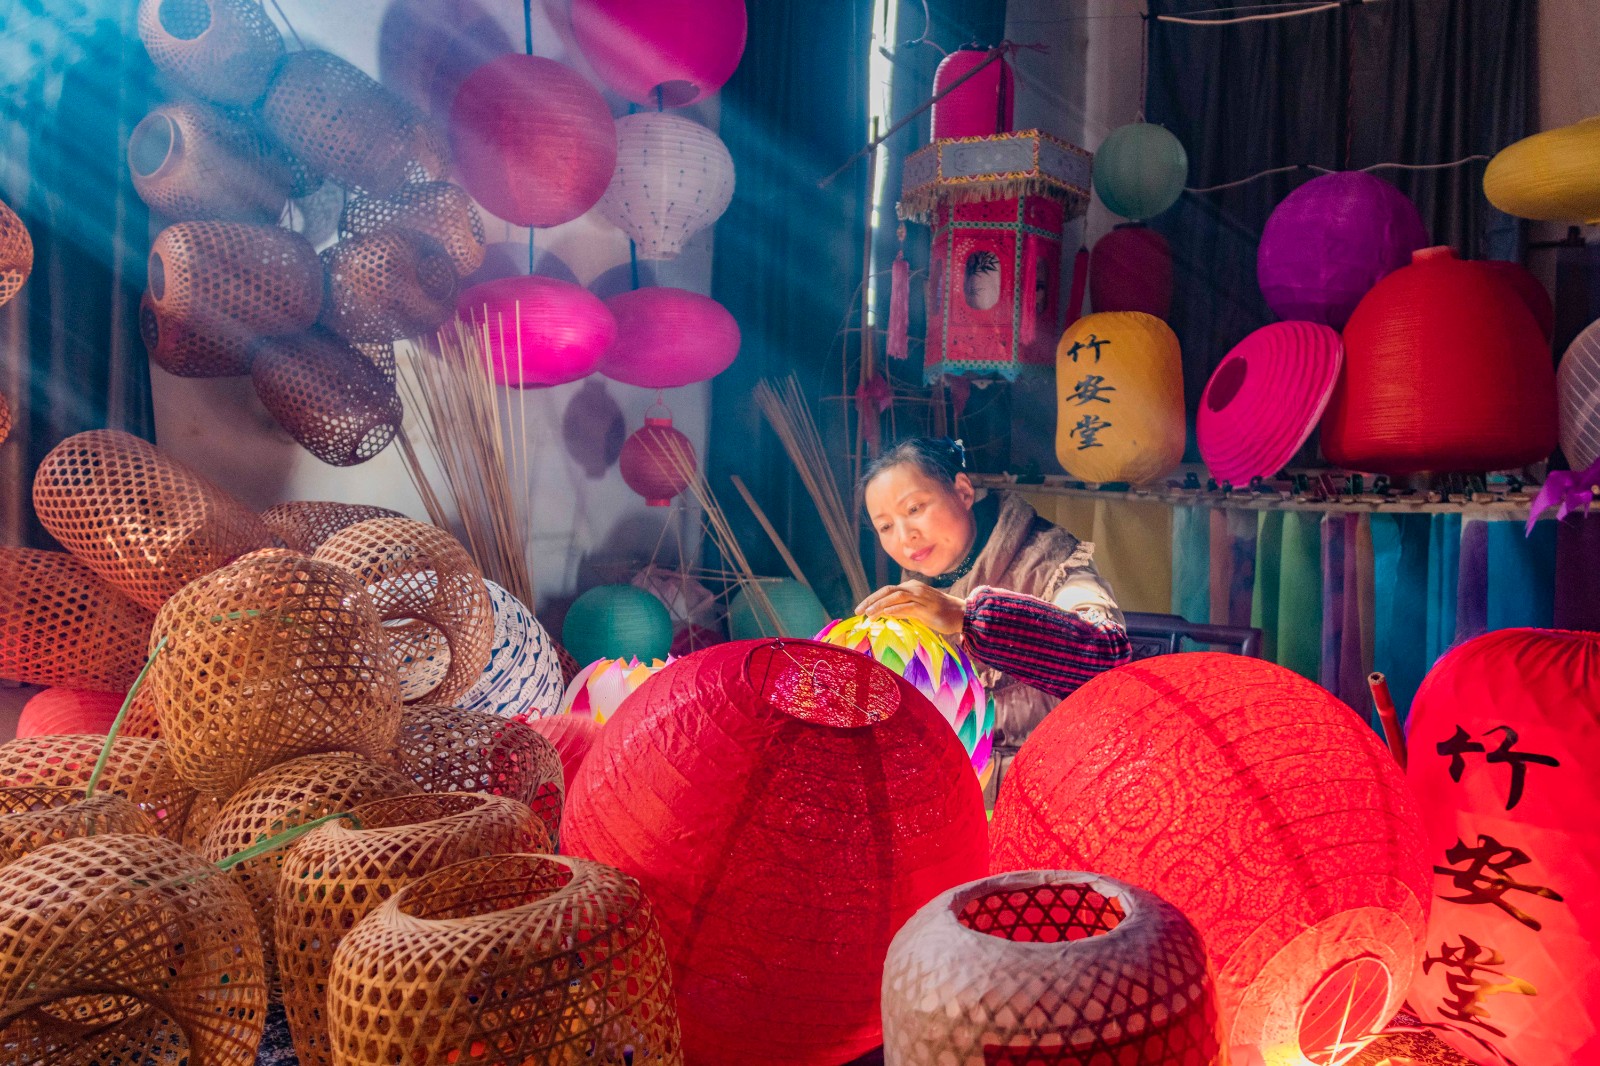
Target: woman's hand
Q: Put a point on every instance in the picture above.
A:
(939, 611)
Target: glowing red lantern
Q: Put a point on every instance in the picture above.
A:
(573, 736)
(787, 805)
(1445, 370)
(1260, 806)
(657, 462)
(661, 53)
(1130, 269)
(981, 106)
(669, 337)
(534, 143)
(1504, 734)
(538, 331)
(69, 710)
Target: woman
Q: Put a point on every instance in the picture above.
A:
(1020, 594)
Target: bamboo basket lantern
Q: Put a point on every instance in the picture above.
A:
(236, 280)
(5, 415)
(222, 50)
(336, 875)
(305, 524)
(387, 286)
(32, 817)
(16, 253)
(330, 397)
(61, 625)
(189, 161)
(526, 958)
(186, 351)
(437, 208)
(340, 121)
(138, 769)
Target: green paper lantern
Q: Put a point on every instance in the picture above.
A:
(1140, 170)
(799, 611)
(617, 622)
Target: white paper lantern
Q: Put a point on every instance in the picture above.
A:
(1578, 388)
(524, 672)
(674, 177)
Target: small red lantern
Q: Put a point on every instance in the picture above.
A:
(657, 462)
(534, 143)
(69, 710)
(538, 331)
(787, 805)
(662, 53)
(981, 106)
(1504, 738)
(669, 337)
(1131, 270)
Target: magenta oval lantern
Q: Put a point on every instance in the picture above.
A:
(981, 106)
(538, 331)
(661, 53)
(669, 337)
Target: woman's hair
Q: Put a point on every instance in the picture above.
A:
(938, 457)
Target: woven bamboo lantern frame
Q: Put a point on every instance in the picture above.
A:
(289, 794)
(388, 286)
(139, 518)
(525, 958)
(5, 417)
(97, 932)
(418, 573)
(340, 121)
(336, 875)
(524, 676)
(437, 208)
(61, 625)
(305, 524)
(16, 253)
(138, 770)
(274, 656)
(33, 817)
(447, 749)
(235, 280)
(189, 161)
(222, 50)
(185, 351)
(330, 397)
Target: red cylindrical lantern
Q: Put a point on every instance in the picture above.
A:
(669, 337)
(981, 106)
(69, 710)
(1131, 270)
(787, 805)
(538, 331)
(534, 143)
(1260, 806)
(1504, 738)
(661, 53)
(1445, 371)
(657, 462)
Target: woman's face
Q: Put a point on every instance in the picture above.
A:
(924, 525)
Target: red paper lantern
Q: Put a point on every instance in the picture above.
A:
(69, 710)
(1445, 370)
(1131, 270)
(661, 53)
(653, 460)
(573, 736)
(534, 143)
(669, 337)
(538, 331)
(1504, 738)
(1260, 806)
(981, 106)
(1530, 290)
(787, 805)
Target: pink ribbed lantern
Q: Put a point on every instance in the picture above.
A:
(669, 337)
(538, 331)
(534, 143)
(68, 710)
(670, 53)
(653, 462)
(981, 106)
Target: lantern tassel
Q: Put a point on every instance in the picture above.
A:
(1388, 716)
(898, 345)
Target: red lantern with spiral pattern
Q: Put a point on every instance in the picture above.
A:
(657, 462)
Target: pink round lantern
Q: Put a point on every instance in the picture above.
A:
(1330, 241)
(669, 337)
(1131, 270)
(661, 53)
(538, 331)
(657, 462)
(981, 106)
(69, 710)
(534, 143)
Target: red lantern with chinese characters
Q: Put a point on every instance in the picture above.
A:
(1504, 739)
(657, 462)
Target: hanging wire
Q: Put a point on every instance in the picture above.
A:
(292, 32)
(1331, 5)
(527, 37)
(1326, 170)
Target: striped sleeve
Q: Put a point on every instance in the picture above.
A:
(1040, 644)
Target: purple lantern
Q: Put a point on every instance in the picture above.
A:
(1330, 241)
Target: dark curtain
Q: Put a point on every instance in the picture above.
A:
(1411, 81)
(73, 356)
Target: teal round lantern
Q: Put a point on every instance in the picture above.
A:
(617, 622)
(1140, 170)
(800, 613)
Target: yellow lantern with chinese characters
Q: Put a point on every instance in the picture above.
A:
(1119, 390)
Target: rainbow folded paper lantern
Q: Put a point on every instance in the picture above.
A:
(934, 667)
(599, 688)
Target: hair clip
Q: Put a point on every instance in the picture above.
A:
(961, 453)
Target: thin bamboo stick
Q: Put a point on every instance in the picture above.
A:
(772, 534)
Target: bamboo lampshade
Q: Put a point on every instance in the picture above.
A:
(437, 208)
(387, 286)
(16, 253)
(526, 958)
(139, 518)
(185, 351)
(421, 575)
(61, 625)
(222, 50)
(336, 875)
(330, 397)
(340, 122)
(124, 948)
(189, 161)
(138, 770)
(273, 656)
(236, 280)
(524, 677)
(304, 524)
(447, 749)
(33, 817)
(5, 418)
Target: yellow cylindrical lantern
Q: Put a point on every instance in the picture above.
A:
(1119, 387)
(1550, 176)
